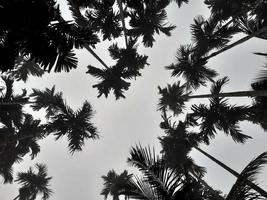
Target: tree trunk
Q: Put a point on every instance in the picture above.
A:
(256, 93)
(16, 197)
(95, 55)
(123, 22)
(262, 30)
(236, 174)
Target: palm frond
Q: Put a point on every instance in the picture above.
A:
(172, 98)
(191, 67)
(48, 99)
(111, 79)
(241, 190)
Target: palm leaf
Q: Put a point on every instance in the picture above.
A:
(240, 190)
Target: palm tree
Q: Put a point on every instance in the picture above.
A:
(18, 141)
(61, 119)
(40, 25)
(258, 113)
(116, 185)
(158, 181)
(128, 58)
(112, 78)
(185, 141)
(147, 18)
(192, 67)
(34, 184)
(12, 114)
(221, 115)
(240, 190)
(174, 97)
(211, 34)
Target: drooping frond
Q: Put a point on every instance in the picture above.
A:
(241, 190)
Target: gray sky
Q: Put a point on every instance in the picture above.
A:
(125, 122)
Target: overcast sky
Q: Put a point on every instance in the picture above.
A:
(126, 122)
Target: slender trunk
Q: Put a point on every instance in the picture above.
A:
(236, 174)
(95, 55)
(262, 30)
(123, 22)
(219, 197)
(256, 93)
(16, 197)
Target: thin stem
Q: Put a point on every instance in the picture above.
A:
(236, 174)
(256, 93)
(262, 30)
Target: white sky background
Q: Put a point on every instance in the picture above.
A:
(126, 122)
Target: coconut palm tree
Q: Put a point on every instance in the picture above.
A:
(186, 140)
(191, 67)
(116, 185)
(34, 184)
(147, 18)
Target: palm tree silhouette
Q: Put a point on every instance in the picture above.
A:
(128, 58)
(40, 25)
(158, 181)
(116, 185)
(34, 184)
(61, 119)
(240, 190)
(174, 97)
(211, 34)
(18, 141)
(147, 18)
(112, 78)
(192, 67)
(185, 141)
